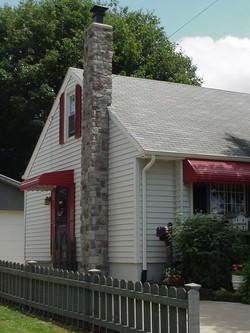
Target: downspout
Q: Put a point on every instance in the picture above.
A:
(181, 187)
(144, 218)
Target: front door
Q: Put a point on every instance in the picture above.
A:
(63, 240)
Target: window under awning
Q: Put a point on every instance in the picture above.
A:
(215, 171)
(46, 181)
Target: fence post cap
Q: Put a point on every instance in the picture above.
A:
(192, 286)
(32, 262)
(94, 271)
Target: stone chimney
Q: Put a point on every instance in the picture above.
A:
(97, 87)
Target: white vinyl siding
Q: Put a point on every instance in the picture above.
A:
(51, 157)
(183, 202)
(37, 228)
(122, 238)
(160, 197)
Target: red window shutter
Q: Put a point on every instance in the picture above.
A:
(61, 120)
(78, 113)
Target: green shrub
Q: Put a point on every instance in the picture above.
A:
(207, 247)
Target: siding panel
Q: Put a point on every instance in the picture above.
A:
(122, 238)
(160, 207)
(182, 191)
(11, 198)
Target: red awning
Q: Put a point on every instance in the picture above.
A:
(46, 181)
(216, 171)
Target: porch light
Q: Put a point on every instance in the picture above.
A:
(47, 201)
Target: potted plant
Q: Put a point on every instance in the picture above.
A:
(172, 276)
(238, 278)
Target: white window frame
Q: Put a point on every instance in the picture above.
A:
(68, 112)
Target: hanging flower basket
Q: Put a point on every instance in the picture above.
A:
(237, 281)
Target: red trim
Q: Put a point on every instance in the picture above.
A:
(47, 181)
(61, 119)
(78, 111)
(70, 217)
(216, 171)
(71, 214)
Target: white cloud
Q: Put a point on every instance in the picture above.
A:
(223, 63)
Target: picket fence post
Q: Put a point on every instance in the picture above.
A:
(193, 307)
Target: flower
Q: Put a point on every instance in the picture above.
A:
(237, 269)
(172, 276)
(173, 273)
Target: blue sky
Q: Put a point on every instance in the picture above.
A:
(218, 40)
(224, 17)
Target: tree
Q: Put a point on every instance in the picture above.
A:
(40, 39)
(141, 49)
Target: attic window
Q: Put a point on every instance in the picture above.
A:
(70, 116)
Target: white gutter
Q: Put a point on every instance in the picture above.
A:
(181, 187)
(182, 156)
(144, 212)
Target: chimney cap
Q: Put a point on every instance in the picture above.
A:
(98, 13)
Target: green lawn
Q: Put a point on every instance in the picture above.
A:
(14, 320)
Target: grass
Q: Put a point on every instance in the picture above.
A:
(12, 319)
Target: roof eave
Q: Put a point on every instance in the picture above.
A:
(181, 156)
(9, 181)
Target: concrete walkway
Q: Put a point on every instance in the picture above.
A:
(224, 317)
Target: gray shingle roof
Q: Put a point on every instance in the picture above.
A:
(173, 118)
(183, 119)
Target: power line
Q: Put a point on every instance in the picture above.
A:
(193, 18)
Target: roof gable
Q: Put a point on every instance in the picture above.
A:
(74, 73)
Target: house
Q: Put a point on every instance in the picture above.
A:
(11, 220)
(119, 164)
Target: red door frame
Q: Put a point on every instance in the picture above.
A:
(70, 217)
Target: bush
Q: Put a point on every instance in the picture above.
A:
(207, 246)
